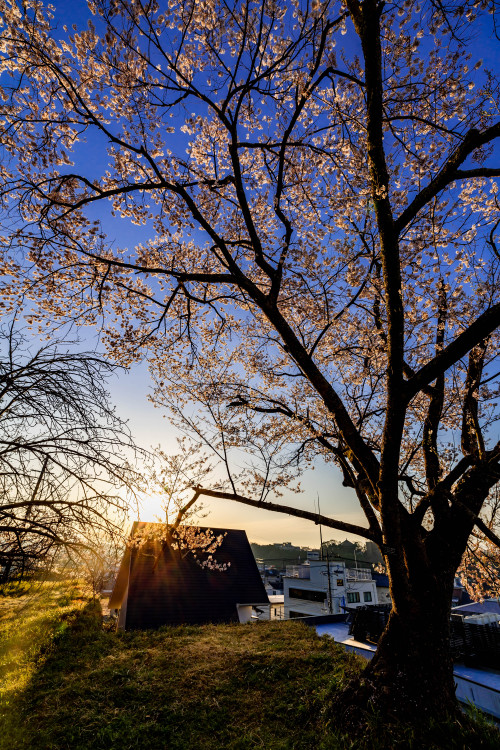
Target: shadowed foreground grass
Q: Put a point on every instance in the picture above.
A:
(266, 686)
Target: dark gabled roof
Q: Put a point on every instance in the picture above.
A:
(167, 587)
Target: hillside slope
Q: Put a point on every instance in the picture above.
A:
(234, 687)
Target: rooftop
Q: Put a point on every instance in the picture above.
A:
(159, 585)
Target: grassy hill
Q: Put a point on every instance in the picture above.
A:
(67, 682)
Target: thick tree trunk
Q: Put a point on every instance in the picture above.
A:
(410, 678)
(412, 667)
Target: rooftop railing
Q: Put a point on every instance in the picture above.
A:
(298, 571)
(358, 574)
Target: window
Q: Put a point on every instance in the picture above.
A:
(353, 597)
(367, 596)
(310, 596)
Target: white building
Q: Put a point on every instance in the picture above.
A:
(320, 588)
(275, 610)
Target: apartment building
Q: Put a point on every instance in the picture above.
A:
(319, 588)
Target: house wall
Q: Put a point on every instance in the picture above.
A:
(275, 610)
(244, 612)
(122, 612)
(384, 595)
(347, 586)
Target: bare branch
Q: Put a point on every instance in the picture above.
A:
(290, 511)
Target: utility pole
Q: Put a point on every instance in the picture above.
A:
(330, 600)
(320, 535)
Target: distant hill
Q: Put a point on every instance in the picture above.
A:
(280, 554)
(353, 551)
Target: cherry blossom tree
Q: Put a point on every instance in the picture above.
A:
(171, 478)
(480, 567)
(319, 269)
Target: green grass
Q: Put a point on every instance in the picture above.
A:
(30, 618)
(70, 684)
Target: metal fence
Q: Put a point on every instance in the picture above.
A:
(475, 645)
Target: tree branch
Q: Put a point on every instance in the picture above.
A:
(449, 172)
(480, 329)
(290, 511)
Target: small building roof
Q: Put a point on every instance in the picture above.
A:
(381, 579)
(489, 606)
(162, 586)
(276, 598)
